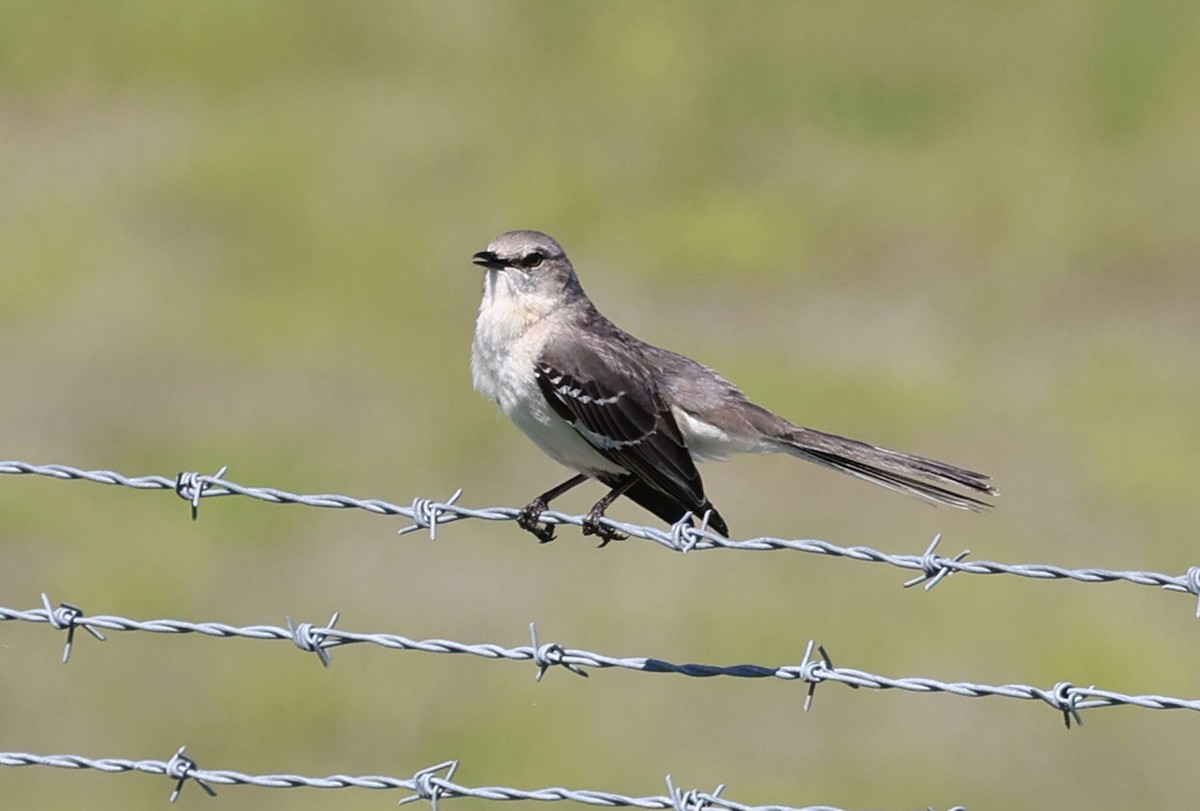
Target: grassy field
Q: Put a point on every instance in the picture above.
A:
(239, 233)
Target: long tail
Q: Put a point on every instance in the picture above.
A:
(902, 472)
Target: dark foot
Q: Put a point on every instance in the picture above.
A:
(528, 520)
(592, 526)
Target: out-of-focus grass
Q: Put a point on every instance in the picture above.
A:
(239, 233)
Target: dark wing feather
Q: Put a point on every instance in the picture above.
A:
(613, 401)
(667, 508)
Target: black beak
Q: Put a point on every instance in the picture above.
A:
(488, 259)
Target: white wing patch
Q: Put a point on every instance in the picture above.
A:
(603, 440)
(578, 394)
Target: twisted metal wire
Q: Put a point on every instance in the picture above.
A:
(428, 514)
(1064, 697)
(427, 784)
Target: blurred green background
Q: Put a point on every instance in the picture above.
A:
(240, 233)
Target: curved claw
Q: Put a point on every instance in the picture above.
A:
(528, 520)
(592, 526)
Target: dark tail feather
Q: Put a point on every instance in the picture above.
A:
(894, 470)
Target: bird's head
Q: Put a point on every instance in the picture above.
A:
(529, 269)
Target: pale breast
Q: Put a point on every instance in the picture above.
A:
(503, 357)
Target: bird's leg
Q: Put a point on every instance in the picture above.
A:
(527, 518)
(591, 522)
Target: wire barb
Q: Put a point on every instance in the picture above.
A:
(425, 513)
(1065, 698)
(935, 568)
(429, 786)
(809, 672)
(311, 639)
(692, 799)
(191, 486)
(684, 536)
(179, 768)
(1192, 585)
(549, 655)
(67, 617)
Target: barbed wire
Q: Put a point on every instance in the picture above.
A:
(435, 782)
(428, 514)
(428, 784)
(1065, 697)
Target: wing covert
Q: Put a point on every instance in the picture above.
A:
(613, 402)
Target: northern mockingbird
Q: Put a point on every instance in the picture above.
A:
(636, 417)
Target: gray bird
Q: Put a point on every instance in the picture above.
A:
(633, 416)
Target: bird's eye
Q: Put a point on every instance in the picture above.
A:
(533, 260)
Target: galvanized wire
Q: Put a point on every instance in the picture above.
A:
(428, 514)
(427, 784)
(1064, 697)
(435, 782)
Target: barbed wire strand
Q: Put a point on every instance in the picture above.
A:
(1064, 697)
(427, 514)
(430, 784)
